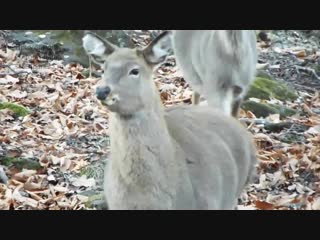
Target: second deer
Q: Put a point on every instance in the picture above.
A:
(219, 64)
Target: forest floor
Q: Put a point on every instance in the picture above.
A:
(52, 155)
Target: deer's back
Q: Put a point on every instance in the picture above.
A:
(220, 155)
(211, 58)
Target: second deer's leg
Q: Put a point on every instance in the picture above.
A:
(195, 98)
(236, 107)
(237, 90)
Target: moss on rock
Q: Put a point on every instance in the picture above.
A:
(264, 110)
(264, 88)
(20, 163)
(20, 111)
(96, 201)
(291, 138)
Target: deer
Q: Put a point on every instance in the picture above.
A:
(220, 65)
(183, 157)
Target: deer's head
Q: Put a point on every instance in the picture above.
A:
(127, 86)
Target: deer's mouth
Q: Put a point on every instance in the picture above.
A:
(111, 100)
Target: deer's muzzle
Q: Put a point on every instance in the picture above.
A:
(102, 92)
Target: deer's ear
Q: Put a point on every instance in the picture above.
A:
(96, 47)
(158, 50)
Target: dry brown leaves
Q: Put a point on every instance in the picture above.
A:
(65, 115)
(289, 173)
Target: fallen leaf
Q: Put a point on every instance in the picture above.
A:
(316, 204)
(264, 205)
(60, 189)
(24, 175)
(38, 95)
(6, 115)
(300, 53)
(8, 79)
(30, 186)
(51, 178)
(18, 94)
(239, 207)
(56, 160)
(275, 118)
(9, 55)
(83, 182)
(314, 130)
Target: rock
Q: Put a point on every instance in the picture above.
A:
(283, 111)
(20, 163)
(264, 88)
(278, 127)
(259, 109)
(95, 200)
(63, 44)
(309, 33)
(263, 74)
(264, 110)
(291, 138)
(95, 170)
(262, 35)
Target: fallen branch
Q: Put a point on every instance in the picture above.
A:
(307, 110)
(12, 74)
(90, 67)
(274, 147)
(272, 127)
(179, 100)
(255, 121)
(250, 126)
(305, 88)
(309, 70)
(14, 71)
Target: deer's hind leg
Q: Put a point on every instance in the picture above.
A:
(237, 91)
(195, 98)
(236, 108)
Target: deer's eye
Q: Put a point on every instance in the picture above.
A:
(134, 72)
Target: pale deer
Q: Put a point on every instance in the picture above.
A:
(220, 65)
(184, 157)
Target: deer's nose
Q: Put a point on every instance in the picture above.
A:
(102, 92)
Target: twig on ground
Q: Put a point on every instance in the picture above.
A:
(179, 100)
(255, 121)
(305, 87)
(251, 125)
(90, 67)
(309, 70)
(14, 71)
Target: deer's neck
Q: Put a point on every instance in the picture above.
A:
(139, 127)
(141, 149)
